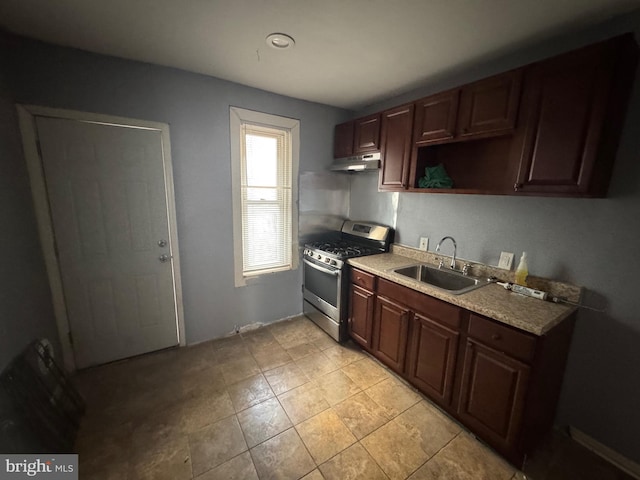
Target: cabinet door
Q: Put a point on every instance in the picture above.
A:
(343, 140)
(565, 99)
(366, 135)
(490, 106)
(361, 315)
(391, 324)
(395, 146)
(432, 358)
(435, 118)
(492, 395)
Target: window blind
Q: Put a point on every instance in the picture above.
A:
(266, 190)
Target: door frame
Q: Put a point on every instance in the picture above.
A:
(30, 143)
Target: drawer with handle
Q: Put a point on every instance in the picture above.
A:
(363, 279)
(502, 338)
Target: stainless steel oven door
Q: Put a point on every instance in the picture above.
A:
(323, 288)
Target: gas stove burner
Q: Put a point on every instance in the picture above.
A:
(353, 251)
(343, 249)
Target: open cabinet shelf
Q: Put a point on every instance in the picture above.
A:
(479, 166)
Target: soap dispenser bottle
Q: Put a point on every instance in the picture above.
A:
(522, 271)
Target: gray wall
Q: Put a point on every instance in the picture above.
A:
(589, 242)
(197, 109)
(25, 302)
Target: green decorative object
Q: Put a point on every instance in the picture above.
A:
(435, 177)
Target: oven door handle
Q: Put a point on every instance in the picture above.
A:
(333, 272)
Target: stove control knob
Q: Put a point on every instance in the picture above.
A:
(319, 256)
(326, 260)
(333, 262)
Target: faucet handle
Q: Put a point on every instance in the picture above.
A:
(465, 268)
(440, 262)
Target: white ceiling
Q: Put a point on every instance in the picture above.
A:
(348, 53)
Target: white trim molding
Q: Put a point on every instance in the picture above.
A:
(26, 117)
(236, 117)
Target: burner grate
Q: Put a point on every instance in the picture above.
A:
(343, 249)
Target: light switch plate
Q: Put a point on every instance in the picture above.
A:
(424, 243)
(506, 260)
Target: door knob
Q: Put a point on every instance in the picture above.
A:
(162, 243)
(164, 258)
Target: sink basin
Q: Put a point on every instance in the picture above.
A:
(447, 280)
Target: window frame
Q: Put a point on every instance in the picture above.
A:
(238, 117)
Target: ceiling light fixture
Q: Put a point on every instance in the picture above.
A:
(280, 41)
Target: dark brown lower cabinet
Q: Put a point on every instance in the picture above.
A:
(361, 315)
(492, 394)
(391, 325)
(499, 381)
(432, 359)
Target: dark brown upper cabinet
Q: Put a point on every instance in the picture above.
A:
(343, 140)
(435, 118)
(490, 106)
(357, 136)
(366, 134)
(485, 108)
(573, 111)
(549, 128)
(395, 146)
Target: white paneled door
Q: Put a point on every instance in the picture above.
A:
(109, 209)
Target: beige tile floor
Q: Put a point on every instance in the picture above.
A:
(281, 402)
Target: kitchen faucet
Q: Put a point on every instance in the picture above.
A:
(455, 247)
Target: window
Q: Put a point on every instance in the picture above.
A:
(264, 161)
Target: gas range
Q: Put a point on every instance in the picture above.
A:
(325, 289)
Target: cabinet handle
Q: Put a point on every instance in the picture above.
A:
(496, 336)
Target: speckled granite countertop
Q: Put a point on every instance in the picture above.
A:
(493, 301)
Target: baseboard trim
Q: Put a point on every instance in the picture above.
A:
(613, 457)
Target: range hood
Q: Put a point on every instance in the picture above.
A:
(357, 163)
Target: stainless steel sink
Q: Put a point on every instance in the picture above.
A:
(447, 280)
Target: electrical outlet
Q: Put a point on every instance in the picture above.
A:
(424, 243)
(506, 260)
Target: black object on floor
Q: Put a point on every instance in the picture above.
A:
(40, 409)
